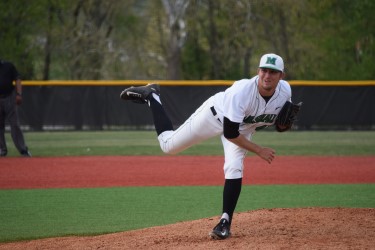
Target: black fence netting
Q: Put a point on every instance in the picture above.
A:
(100, 107)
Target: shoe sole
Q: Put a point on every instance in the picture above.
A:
(216, 236)
(128, 95)
(132, 95)
(136, 97)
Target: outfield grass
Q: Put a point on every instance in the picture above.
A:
(39, 213)
(145, 143)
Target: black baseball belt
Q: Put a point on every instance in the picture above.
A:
(213, 110)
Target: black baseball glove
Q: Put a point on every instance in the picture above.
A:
(286, 117)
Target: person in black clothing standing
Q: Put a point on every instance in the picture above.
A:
(10, 98)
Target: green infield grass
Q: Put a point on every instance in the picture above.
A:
(40, 213)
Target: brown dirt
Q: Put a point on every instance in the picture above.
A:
(306, 228)
(110, 171)
(300, 228)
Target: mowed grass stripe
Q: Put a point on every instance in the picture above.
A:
(40, 213)
(71, 143)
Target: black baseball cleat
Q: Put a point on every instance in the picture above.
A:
(3, 153)
(26, 153)
(221, 231)
(140, 94)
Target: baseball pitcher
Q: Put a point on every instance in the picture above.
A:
(234, 115)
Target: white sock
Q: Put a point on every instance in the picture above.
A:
(156, 97)
(225, 216)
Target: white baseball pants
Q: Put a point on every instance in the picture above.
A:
(200, 126)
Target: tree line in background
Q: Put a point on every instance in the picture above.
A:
(187, 39)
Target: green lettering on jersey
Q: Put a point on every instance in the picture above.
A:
(271, 60)
(266, 118)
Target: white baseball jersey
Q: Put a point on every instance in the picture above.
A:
(240, 103)
(243, 104)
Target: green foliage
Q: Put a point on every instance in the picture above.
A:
(319, 40)
(17, 32)
(347, 38)
(194, 60)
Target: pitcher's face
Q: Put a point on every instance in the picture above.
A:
(268, 80)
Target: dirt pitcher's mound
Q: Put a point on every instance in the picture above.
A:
(306, 228)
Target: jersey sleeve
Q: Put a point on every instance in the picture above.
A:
(286, 90)
(235, 100)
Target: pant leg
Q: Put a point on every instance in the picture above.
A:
(234, 157)
(233, 171)
(15, 128)
(201, 125)
(3, 146)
